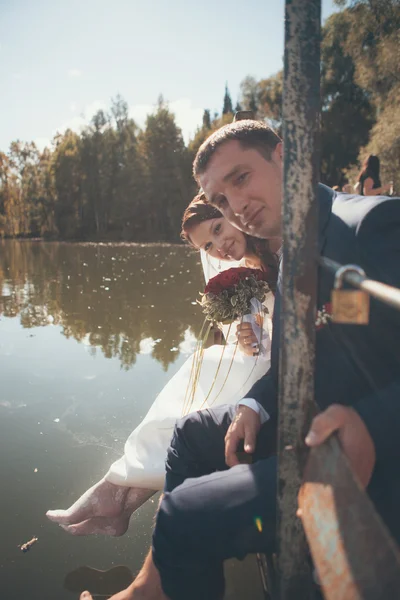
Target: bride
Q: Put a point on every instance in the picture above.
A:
(107, 506)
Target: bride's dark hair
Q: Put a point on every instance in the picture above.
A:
(199, 210)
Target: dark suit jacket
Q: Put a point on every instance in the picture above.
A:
(358, 365)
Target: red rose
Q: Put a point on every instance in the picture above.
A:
(231, 277)
(214, 286)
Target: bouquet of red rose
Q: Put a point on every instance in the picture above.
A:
(228, 295)
(232, 294)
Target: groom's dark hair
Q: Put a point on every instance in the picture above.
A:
(249, 133)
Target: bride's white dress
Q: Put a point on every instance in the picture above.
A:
(145, 450)
(131, 480)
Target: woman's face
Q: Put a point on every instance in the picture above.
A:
(219, 239)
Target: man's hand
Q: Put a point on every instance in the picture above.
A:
(245, 426)
(353, 434)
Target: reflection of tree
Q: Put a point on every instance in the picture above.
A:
(108, 296)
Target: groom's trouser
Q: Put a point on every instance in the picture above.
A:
(210, 513)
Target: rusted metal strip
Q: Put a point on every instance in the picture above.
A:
(354, 555)
(301, 104)
(381, 291)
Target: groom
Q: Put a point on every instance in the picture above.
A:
(216, 515)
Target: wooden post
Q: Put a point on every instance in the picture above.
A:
(301, 112)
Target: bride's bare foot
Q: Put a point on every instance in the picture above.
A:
(115, 526)
(105, 508)
(104, 499)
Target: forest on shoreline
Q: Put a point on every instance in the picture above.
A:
(114, 181)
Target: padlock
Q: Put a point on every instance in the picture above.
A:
(349, 306)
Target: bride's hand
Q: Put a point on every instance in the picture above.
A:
(247, 340)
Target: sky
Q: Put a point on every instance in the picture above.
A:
(63, 60)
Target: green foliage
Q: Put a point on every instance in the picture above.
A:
(111, 182)
(228, 106)
(234, 302)
(347, 112)
(360, 73)
(117, 182)
(168, 171)
(373, 44)
(249, 95)
(203, 132)
(385, 141)
(206, 119)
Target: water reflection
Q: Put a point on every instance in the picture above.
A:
(121, 299)
(64, 417)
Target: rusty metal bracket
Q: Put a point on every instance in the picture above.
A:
(353, 552)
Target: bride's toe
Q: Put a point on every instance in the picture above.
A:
(60, 517)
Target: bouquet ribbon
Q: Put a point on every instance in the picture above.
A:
(256, 319)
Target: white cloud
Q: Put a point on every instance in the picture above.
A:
(187, 116)
(188, 346)
(17, 76)
(73, 107)
(146, 345)
(74, 73)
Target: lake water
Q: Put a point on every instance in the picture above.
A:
(89, 334)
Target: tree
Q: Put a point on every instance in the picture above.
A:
(227, 107)
(8, 197)
(269, 98)
(97, 163)
(68, 181)
(373, 42)
(248, 94)
(347, 113)
(128, 185)
(168, 173)
(203, 133)
(385, 140)
(206, 119)
(42, 197)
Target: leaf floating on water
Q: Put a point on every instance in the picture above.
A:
(28, 545)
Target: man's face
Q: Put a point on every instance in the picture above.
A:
(246, 188)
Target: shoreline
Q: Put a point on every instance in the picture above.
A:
(96, 243)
